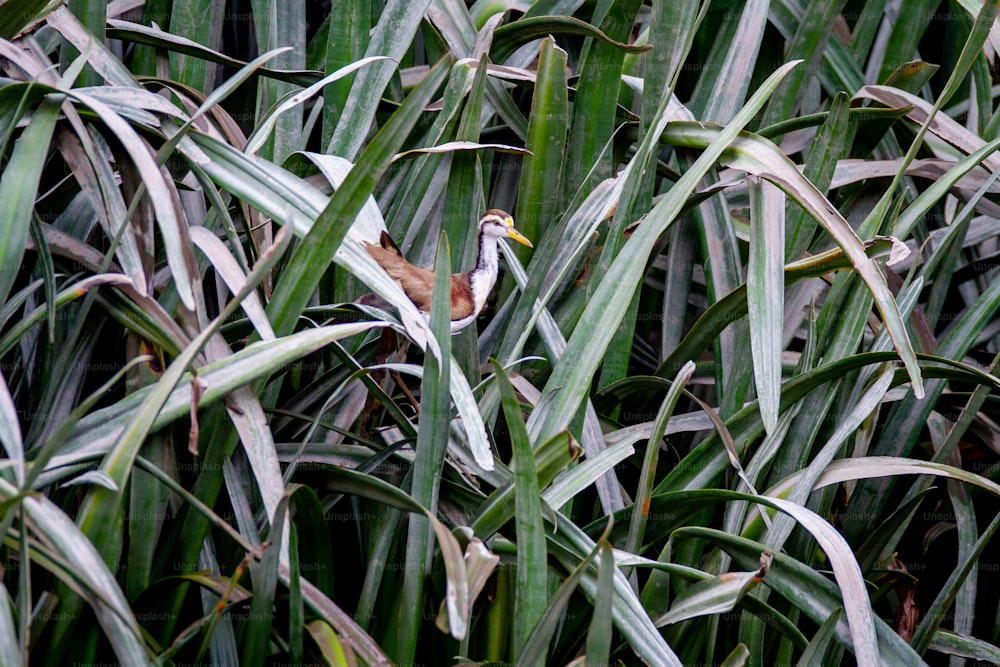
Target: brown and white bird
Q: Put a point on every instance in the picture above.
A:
(469, 289)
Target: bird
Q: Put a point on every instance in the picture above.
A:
(469, 289)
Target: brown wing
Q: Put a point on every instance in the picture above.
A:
(462, 302)
(418, 283)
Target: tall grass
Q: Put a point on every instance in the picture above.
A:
(737, 406)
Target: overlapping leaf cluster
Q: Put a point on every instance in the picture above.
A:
(738, 405)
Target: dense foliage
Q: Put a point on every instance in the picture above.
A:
(738, 405)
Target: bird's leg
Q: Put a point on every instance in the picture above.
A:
(383, 351)
(406, 391)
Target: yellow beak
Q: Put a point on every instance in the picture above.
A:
(516, 235)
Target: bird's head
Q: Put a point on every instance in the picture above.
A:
(499, 224)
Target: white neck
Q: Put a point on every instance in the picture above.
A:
(484, 276)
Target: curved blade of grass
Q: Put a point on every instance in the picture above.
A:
(94, 165)
(101, 503)
(637, 526)
(460, 145)
(762, 158)
(305, 270)
(599, 636)
(10, 433)
(535, 648)
(18, 331)
(97, 433)
(263, 130)
(766, 295)
(951, 643)
(19, 185)
(846, 470)
(727, 72)
(718, 595)
(398, 22)
(531, 592)
(511, 36)
(105, 64)
(607, 306)
(162, 196)
(108, 601)
(815, 595)
(141, 34)
(432, 443)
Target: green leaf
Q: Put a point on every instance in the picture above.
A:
(531, 591)
(18, 187)
(547, 125)
(140, 34)
(760, 157)
(718, 595)
(534, 650)
(640, 508)
(432, 443)
(350, 23)
(766, 295)
(607, 306)
(599, 637)
(263, 129)
(15, 15)
(329, 644)
(593, 117)
(508, 38)
(398, 22)
(307, 265)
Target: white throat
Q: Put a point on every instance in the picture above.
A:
(484, 276)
